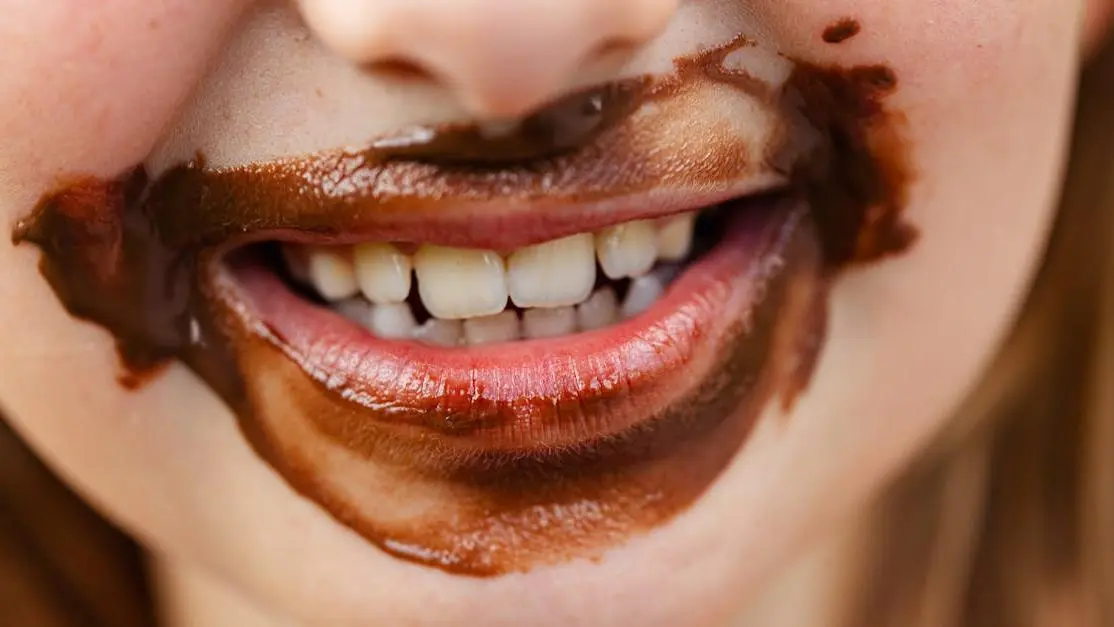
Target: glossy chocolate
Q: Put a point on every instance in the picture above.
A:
(143, 260)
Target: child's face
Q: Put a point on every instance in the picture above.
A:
(351, 467)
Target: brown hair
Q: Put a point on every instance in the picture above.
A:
(1008, 519)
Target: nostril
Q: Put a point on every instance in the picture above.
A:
(398, 69)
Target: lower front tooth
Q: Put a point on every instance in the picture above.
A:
(357, 310)
(539, 323)
(643, 292)
(600, 310)
(331, 273)
(437, 332)
(502, 327)
(392, 321)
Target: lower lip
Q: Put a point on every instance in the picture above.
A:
(534, 397)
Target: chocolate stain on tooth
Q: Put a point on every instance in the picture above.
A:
(140, 259)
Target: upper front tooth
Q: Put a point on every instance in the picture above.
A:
(552, 274)
(675, 237)
(460, 282)
(382, 272)
(627, 250)
(331, 272)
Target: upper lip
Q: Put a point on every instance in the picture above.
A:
(345, 196)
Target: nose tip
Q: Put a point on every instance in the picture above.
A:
(499, 58)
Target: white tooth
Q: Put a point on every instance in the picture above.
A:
(600, 310)
(392, 321)
(382, 272)
(675, 237)
(537, 323)
(627, 250)
(437, 332)
(552, 274)
(296, 262)
(331, 272)
(356, 309)
(460, 282)
(502, 327)
(642, 293)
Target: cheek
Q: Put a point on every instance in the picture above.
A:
(987, 106)
(89, 85)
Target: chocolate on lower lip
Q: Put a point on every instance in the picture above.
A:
(500, 475)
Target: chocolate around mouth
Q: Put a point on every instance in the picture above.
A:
(138, 257)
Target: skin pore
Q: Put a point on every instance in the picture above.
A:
(167, 462)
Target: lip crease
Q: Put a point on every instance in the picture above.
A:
(489, 460)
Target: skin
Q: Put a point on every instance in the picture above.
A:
(95, 88)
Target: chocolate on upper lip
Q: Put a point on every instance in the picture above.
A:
(142, 258)
(390, 193)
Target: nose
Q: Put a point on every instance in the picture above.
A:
(500, 58)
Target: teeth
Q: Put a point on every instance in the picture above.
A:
(393, 321)
(539, 323)
(467, 291)
(600, 310)
(643, 292)
(627, 250)
(459, 283)
(552, 274)
(357, 310)
(382, 272)
(675, 237)
(331, 273)
(437, 332)
(502, 327)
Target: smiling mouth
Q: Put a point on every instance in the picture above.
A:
(488, 352)
(543, 351)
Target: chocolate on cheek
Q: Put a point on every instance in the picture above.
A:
(131, 256)
(841, 31)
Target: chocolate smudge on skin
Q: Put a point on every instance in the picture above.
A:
(127, 255)
(841, 31)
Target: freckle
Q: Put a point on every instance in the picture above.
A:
(153, 24)
(841, 31)
(320, 94)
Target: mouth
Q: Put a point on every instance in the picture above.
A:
(488, 365)
(542, 350)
